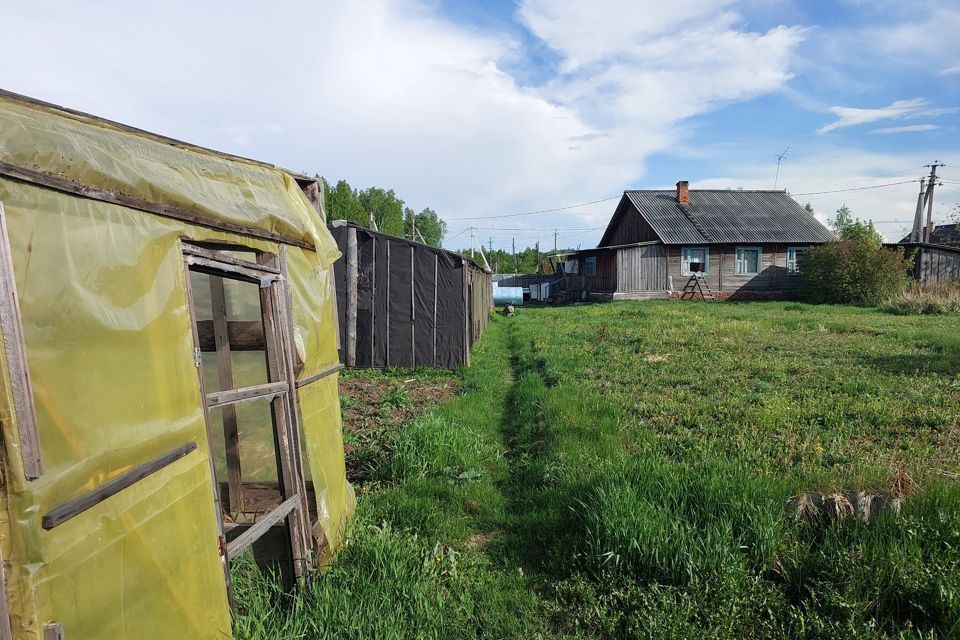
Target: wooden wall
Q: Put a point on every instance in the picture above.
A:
(606, 277)
(773, 275)
(479, 290)
(642, 268)
(937, 264)
(631, 228)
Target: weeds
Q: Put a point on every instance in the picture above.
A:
(598, 491)
(925, 299)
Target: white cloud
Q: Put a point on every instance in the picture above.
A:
(910, 128)
(928, 34)
(899, 110)
(826, 177)
(951, 70)
(389, 92)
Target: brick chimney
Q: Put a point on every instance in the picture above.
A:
(683, 193)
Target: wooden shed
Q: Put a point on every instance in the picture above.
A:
(738, 242)
(405, 304)
(932, 263)
(169, 378)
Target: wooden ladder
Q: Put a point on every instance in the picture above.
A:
(697, 284)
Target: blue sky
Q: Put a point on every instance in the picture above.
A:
(485, 109)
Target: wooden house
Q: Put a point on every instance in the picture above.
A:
(742, 243)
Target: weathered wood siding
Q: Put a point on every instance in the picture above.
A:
(721, 275)
(631, 228)
(606, 276)
(642, 268)
(935, 265)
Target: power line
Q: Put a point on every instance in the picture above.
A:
(876, 186)
(459, 233)
(529, 229)
(532, 213)
(878, 175)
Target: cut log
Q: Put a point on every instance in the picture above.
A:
(244, 335)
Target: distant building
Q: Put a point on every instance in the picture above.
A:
(937, 260)
(741, 242)
(945, 235)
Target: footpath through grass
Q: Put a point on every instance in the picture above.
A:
(624, 470)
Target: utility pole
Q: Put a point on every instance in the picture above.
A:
(917, 234)
(490, 245)
(472, 242)
(554, 240)
(413, 224)
(538, 257)
(513, 251)
(779, 160)
(931, 183)
(373, 221)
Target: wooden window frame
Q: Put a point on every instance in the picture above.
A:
(795, 271)
(269, 272)
(737, 260)
(587, 272)
(685, 262)
(15, 353)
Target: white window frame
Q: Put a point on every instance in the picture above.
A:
(796, 251)
(685, 259)
(737, 260)
(590, 266)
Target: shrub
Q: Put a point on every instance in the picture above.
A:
(920, 299)
(852, 271)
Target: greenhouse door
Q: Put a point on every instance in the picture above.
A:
(244, 348)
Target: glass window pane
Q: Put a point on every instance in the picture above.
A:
(747, 261)
(690, 255)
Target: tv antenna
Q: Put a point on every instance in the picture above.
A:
(783, 154)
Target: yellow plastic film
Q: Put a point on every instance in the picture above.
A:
(107, 326)
(109, 346)
(98, 155)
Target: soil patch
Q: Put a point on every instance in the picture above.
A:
(376, 407)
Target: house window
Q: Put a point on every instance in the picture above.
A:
(590, 266)
(793, 262)
(694, 256)
(748, 261)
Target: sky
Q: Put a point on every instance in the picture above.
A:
(483, 110)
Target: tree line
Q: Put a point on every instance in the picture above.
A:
(391, 215)
(524, 262)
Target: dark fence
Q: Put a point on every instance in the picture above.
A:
(404, 304)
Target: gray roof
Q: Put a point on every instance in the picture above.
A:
(724, 216)
(943, 234)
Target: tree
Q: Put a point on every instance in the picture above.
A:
(856, 269)
(386, 207)
(392, 217)
(842, 218)
(342, 203)
(808, 208)
(862, 231)
(428, 224)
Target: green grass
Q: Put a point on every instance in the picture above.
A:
(624, 470)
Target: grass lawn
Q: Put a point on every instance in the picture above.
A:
(625, 470)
